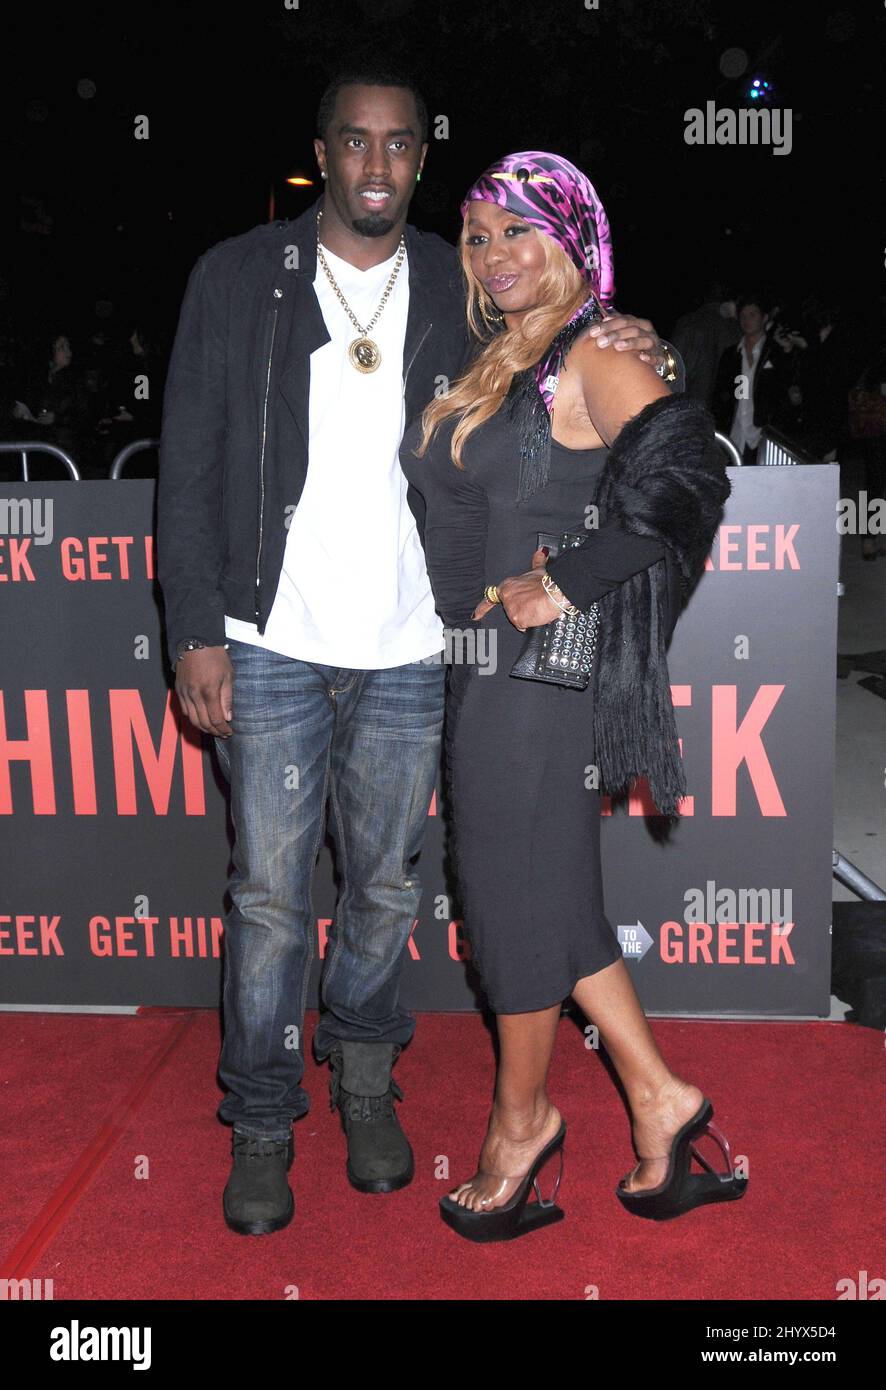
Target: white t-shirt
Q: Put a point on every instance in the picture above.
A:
(354, 588)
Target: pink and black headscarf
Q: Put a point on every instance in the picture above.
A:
(555, 197)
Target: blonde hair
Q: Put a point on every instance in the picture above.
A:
(478, 394)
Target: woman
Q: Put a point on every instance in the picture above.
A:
(133, 397)
(496, 465)
(53, 397)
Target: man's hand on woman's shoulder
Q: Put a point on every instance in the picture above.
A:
(627, 333)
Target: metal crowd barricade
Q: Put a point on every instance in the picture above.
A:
(778, 451)
(727, 444)
(36, 446)
(138, 446)
(849, 874)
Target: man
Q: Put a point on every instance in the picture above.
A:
(300, 617)
(751, 382)
(701, 337)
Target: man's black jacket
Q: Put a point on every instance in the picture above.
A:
(234, 439)
(770, 383)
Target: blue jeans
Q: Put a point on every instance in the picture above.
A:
(370, 741)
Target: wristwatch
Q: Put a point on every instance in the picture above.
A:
(668, 368)
(193, 644)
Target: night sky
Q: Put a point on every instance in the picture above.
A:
(94, 217)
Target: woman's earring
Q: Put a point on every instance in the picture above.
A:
(323, 173)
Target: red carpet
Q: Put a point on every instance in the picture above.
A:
(89, 1102)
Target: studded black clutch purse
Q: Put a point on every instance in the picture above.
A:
(562, 651)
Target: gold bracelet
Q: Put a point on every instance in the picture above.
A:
(548, 583)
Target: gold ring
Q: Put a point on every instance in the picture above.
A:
(492, 594)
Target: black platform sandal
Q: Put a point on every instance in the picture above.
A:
(681, 1190)
(518, 1216)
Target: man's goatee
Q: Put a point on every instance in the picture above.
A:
(373, 225)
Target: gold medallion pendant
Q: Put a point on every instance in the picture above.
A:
(364, 354)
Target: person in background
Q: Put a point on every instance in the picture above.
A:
(52, 398)
(133, 401)
(867, 429)
(827, 369)
(702, 336)
(752, 378)
(136, 382)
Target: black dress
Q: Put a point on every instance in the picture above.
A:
(525, 813)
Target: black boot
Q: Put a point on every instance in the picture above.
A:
(379, 1155)
(258, 1198)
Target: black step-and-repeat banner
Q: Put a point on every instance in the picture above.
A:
(113, 815)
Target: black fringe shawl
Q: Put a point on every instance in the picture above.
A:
(665, 476)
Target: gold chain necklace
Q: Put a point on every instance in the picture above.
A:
(363, 352)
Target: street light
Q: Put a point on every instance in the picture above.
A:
(298, 180)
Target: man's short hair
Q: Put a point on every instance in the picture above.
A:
(369, 77)
(753, 297)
